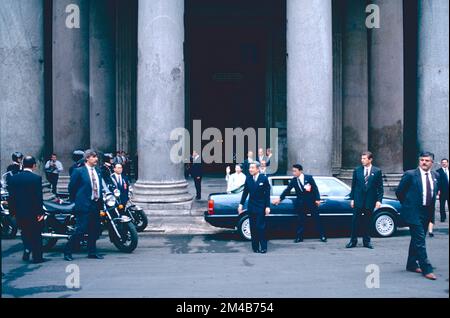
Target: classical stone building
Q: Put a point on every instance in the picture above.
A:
(127, 72)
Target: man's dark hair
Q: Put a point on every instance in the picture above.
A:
(90, 153)
(368, 154)
(444, 159)
(117, 163)
(426, 154)
(28, 162)
(298, 166)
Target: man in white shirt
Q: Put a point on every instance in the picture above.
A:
(235, 180)
(417, 193)
(53, 168)
(85, 188)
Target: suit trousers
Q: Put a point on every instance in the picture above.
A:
(301, 219)
(417, 255)
(31, 237)
(442, 201)
(87, 222)
(258, 231)
(361, 223)
(198, 186)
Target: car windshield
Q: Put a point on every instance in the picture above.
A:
(327, 187)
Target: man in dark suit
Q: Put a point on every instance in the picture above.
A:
(308, 200)
(366, 195)
(25, 202)
(85, 189)
(258, 187)
(196, 172)
(443, 187)
(120, 183)
(417, 193)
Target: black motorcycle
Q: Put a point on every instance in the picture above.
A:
(135, 213)
(59, 223)
(8, 222)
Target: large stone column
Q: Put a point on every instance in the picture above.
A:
(22, 79)
(355, 84)
(70, 52)
(161, 186)
(310, 84)
(433, 79)
(386, 88)
(102, 89)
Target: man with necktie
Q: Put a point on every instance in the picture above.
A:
(121, 183)
(258, 187)
(417, 193)
(443, 187)
(85, 189)
(366, 195)
(308, 200)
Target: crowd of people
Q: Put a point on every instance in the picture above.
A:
(417, 192)
(87, 183)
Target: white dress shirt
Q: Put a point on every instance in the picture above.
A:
(424, 185)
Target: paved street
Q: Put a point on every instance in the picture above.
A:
(221, 265)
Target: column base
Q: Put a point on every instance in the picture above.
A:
(169, 198)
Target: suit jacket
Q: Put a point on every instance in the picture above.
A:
(364, 196)
(258, 192)
(25, 196)
(443, 183)
(196, 169)
(410, 195)
(123, 188)
(80, 189)
(304, 198)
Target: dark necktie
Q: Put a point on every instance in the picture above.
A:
(366, 176)
(300, 184)
(428, 195)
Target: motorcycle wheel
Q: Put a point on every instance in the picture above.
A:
(129, 240)
(141, 220)
(9, 227)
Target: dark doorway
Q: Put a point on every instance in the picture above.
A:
(227, 65)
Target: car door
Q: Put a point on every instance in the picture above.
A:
(282, 216)
(334, 210)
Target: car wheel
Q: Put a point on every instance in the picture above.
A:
(244, 228)
(384, 224)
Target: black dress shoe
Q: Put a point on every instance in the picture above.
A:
(26, 256)
(95, 256)
(351, 244)
(298, 240)
(323, 239)
(256, 251)
(263, 251)
(368, 245)
(40, 260)
(68, 257)
(431, 234)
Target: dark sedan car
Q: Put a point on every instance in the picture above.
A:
(335, 210)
